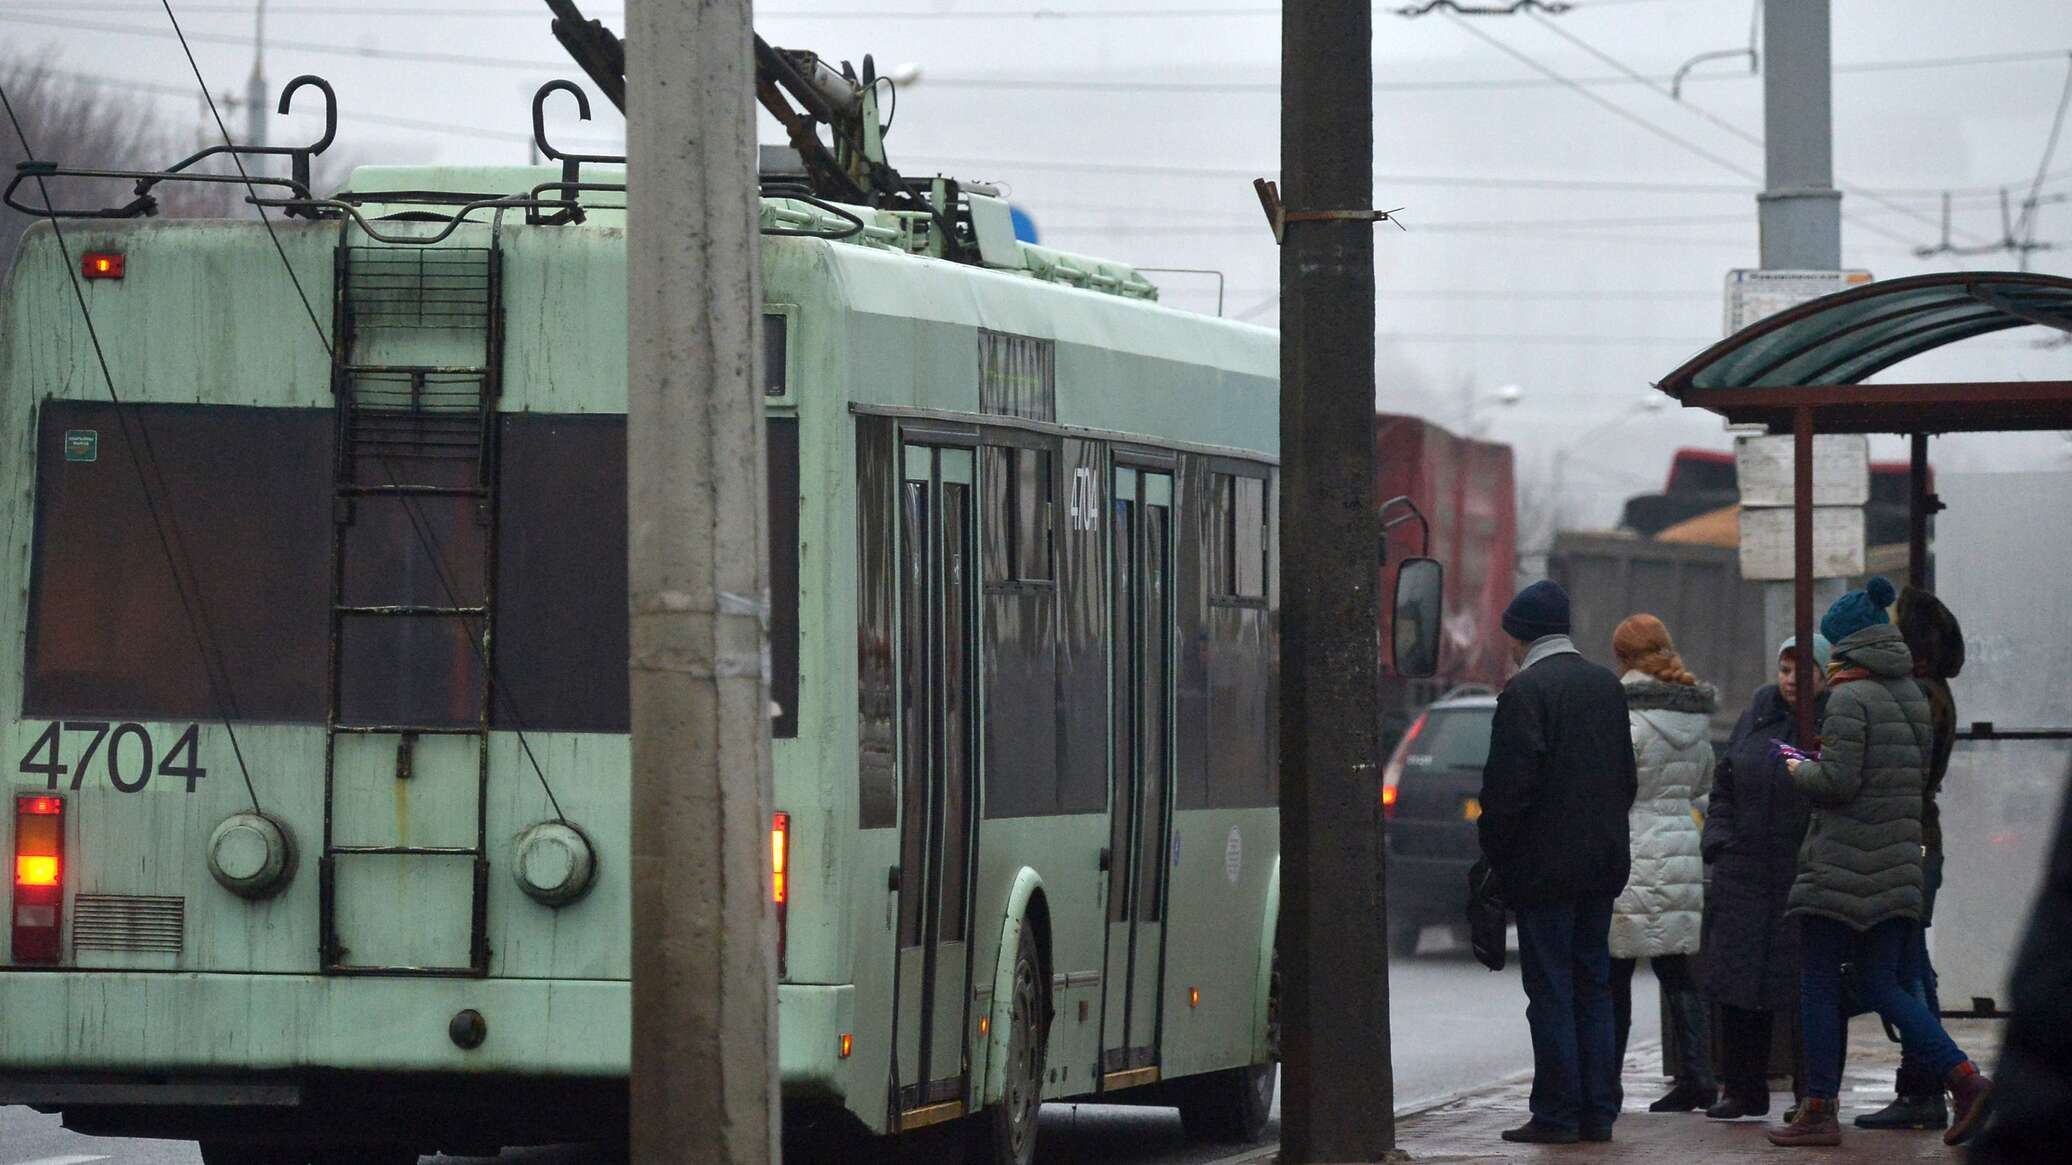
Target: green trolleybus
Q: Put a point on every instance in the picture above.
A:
(316, 713)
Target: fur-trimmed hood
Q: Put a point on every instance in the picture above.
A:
(1644, 692)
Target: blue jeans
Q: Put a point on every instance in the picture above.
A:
(1916, 972)
(1564, 953)
(1874, 958)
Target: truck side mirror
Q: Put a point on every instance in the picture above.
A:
(1420, 604)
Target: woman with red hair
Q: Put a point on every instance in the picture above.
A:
(1658, 916)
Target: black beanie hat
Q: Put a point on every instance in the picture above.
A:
(1539, 610)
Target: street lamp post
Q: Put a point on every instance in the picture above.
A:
(1557, 494)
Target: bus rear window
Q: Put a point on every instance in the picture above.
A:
(110, 633)
(107, 635)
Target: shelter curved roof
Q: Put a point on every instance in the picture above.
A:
(1801, 357)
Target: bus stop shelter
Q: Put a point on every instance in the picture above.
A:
(1802, 372)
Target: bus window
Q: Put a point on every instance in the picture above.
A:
(251, 491)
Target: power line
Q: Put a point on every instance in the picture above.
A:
(1628, 115)
(1721, 122)
(1160, 85)
(424, 124)
(314, 47)
(166, 523)
(238, 161)
(1044, 14)
(1068, 166)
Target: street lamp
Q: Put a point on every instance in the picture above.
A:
(1504, 396)
(1652, 402)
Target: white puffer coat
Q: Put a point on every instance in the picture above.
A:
(1663, 904)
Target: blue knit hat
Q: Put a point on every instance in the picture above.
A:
(1539, 610)
(1820, 649)
(1858, 609)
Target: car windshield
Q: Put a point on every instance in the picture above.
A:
(1453, 738)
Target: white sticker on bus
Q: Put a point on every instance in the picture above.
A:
(1233, 855)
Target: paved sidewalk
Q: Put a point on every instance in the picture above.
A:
(1466, 1129)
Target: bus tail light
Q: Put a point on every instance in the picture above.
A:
(101, 265)
(39, 878)
(1392, 774)
(780, 861)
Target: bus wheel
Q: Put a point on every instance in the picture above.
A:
(246, 1153)
(1005, 1134)
(1231, 1105)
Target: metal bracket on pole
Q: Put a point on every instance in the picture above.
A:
(1278, 217)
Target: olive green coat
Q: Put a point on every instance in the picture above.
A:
(1861, 861)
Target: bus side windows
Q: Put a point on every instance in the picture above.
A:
(1020, 506)
(1033, 507)
(1238, 526)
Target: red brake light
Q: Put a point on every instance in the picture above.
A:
(780, 864)
(1392, 773)
(39, 869)
(101, 264)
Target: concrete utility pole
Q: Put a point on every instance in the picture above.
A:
(704, 1086)
(1800, 215)
(1800, 210)
(1338, 1093)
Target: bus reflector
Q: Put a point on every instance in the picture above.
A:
(39, 868)
(848, 1044)
(1194, 997)
(101, 264)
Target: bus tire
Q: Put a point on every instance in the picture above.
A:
(1231, 1106)
(1005, 1133)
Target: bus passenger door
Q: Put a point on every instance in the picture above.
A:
(938, 605)
(1140, 638)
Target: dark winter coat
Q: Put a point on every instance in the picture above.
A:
(1751, 843)
(1861, 861)
(1936, 640)
(2032, 1097)
(1558, 784)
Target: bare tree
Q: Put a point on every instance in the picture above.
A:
(79, 123)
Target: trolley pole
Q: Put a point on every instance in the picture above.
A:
(1338, 1094)
(704, 1085)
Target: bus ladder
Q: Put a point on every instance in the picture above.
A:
(416, 434)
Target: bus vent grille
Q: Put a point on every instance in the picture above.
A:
(128, 922)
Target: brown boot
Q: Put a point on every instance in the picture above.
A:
(1815, 1124)
(1969, 1092)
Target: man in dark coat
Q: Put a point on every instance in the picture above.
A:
(1556, 792)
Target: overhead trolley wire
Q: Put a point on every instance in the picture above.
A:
(424, 536)
(1622, 112)
(166, 524)
(238, 160)
(1721, 122)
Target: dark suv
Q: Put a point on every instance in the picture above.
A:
(1428, 798)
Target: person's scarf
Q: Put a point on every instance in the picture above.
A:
(1841, 671)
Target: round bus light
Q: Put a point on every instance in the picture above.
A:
(553, 863)
(467, 1029)
(251, 855)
